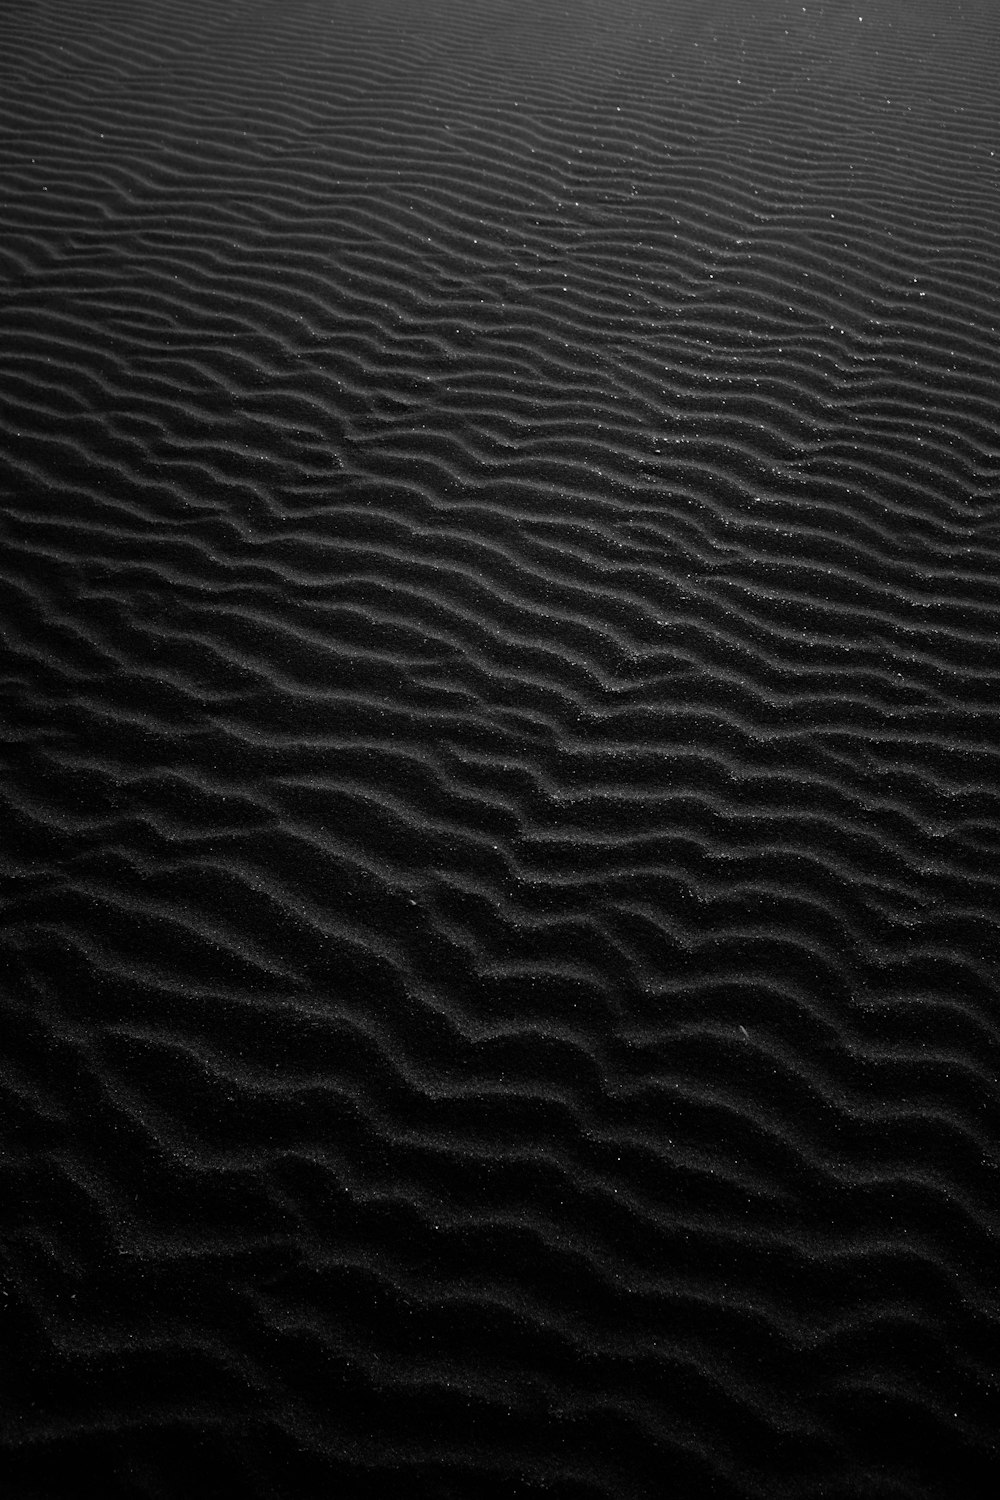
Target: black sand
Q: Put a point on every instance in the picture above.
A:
(501, 784)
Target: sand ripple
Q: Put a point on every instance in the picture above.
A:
(500, 664)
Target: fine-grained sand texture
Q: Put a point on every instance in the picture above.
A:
(500, 794)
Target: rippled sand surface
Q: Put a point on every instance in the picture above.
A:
(500, 806)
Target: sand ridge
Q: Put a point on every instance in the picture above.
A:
(500, 787)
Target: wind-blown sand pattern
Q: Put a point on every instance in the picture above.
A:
(501, 560)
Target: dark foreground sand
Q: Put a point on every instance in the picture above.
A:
(500, 662)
